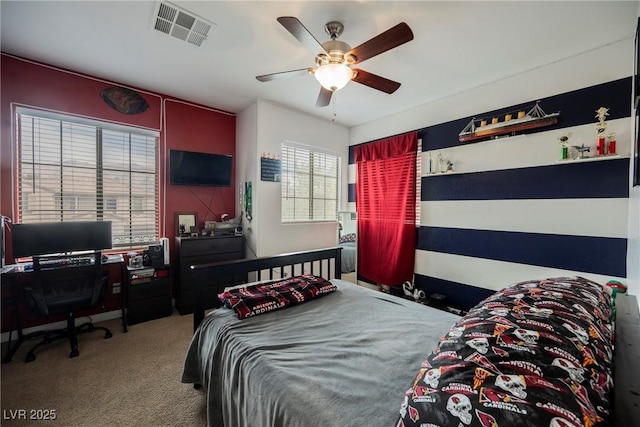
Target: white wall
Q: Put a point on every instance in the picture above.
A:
(263, 128)
(247, 168)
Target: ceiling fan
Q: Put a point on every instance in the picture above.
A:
(333, 64)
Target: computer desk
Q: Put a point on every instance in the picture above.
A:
(9, 279)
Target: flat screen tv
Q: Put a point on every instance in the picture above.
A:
(46, 238)
(204, 169)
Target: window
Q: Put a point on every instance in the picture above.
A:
(111, 204)
(79, 171)
(309, 184)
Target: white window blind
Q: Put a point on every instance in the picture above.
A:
(70, 171)
(309, 184)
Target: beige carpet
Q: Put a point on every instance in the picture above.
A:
(132, 379)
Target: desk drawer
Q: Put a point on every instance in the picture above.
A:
(218, 245)
(149, 309)
(154, 288)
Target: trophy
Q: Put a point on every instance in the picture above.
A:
(601, 127)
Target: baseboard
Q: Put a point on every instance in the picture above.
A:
(109, 315)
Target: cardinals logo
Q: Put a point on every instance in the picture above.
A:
(486, 420)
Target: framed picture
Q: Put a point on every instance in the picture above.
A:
(187, 220)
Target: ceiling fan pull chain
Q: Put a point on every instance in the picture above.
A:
(333, 119)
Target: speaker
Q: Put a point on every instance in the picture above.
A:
(156, 255)
(238, 231)
(165, 248)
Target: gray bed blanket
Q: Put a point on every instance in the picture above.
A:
(348, 256)
(345, 359)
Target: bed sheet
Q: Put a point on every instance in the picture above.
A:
(340, 360)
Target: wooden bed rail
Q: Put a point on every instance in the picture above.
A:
(626, 390)
(215, 272)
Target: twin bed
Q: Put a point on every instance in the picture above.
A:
(536, 353)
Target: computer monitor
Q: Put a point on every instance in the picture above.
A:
(59, 237)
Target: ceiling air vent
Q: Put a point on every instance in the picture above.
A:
(181, 24)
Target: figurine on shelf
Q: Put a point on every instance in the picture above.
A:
(440, 163)
(449, 166)
(564, 141)
(581, 150)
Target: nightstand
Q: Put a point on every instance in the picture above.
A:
(148, 294)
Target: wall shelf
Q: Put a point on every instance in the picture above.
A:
(590, 159)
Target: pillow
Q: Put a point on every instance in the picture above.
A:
(261, 298)
(351, 237)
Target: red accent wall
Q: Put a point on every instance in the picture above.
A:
(181, 124)
(198, 129)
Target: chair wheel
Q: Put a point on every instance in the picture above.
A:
(30, 358)
(107, 335)
(74, 353)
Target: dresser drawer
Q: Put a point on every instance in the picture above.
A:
(218, 245)
(203, 250)
(187, 262)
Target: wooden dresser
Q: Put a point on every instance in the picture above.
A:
(201, 250)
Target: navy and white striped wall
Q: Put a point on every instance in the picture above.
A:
(512, 210)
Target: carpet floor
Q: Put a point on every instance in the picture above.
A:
(132, 379)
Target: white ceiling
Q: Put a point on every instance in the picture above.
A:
(457, 46)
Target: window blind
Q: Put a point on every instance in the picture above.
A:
(71, 171)
(309, 184)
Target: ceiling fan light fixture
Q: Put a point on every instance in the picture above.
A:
(333, 76)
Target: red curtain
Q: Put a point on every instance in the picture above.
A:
(386, 205)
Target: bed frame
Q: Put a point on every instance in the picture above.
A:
(327, 263)
(321, 262)
(626, 390)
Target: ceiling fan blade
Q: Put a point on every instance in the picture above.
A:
(283, 74)
(300, 32)
(374, 81)
(324, 97)
(383, 42)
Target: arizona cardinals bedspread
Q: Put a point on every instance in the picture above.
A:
(538, 353)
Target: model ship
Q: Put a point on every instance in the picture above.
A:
(535, 118)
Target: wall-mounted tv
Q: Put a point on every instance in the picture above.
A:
(46, 238)
(204, 169)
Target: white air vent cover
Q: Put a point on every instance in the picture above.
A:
(179, 23)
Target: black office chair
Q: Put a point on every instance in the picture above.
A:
(60, 288)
